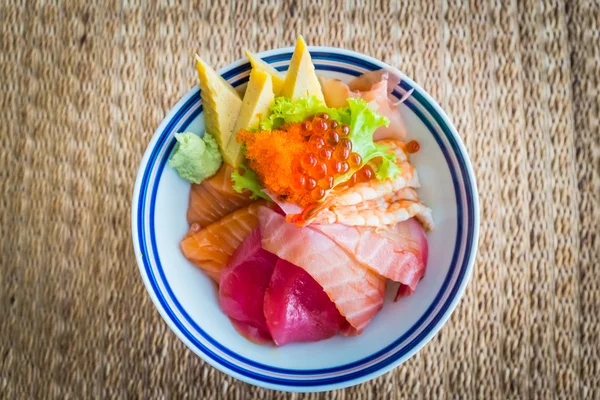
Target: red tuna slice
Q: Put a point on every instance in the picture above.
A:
(357, 291)
(251, 332)
(399, 253)
(242, 287)
(297, 309)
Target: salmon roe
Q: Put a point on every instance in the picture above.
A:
(327, 154)
(412, 147)
(302, 161)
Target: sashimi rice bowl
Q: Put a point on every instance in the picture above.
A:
(305, 219)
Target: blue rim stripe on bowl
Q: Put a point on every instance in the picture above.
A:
(362, 363)
(186, 316)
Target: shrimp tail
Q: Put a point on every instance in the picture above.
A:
(307, 216)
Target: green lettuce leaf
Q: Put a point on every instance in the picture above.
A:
(387, 169)
(361, 118)
(285, 110)
(249, 180)
(363, 122)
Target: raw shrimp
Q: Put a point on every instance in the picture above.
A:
(384, 201)
(374, 188)
(366, 191)
(377, 214)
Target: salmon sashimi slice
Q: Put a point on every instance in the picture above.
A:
(357, 292)
(215, 198)
(399, 252)
(211, 247)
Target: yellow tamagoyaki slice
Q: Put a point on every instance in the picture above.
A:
(258, 99)
(301, 79)
(222, 104)
(277, 78)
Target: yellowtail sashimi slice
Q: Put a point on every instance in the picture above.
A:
(399, 252)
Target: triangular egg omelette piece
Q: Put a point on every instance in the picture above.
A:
(221, 103)
(257, 100)
(277, 78)
(301, 79)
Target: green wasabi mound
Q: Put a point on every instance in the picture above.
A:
(194, 158)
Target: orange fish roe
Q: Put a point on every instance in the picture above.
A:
(271, 154)
(301, 161)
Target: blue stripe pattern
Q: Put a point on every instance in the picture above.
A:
(342, 373)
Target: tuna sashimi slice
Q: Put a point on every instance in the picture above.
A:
(251, 332)
(297, 309)
(211, 247)
(399, 252)
(357, 291)
(215, 198)
(242, 287)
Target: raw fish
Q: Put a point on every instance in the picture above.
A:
(378, 96)
(242, 287)
(399, 252)
(374, 87)
(211, 247)
(297, 309)
(215, 198)
(365, 81)
(356, 291)
(336, 92)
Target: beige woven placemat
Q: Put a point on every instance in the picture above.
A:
(84, 84)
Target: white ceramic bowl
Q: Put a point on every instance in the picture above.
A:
(188, 301)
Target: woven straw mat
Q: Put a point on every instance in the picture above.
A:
(85, 83)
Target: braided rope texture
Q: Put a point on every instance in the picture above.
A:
(85, 83)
